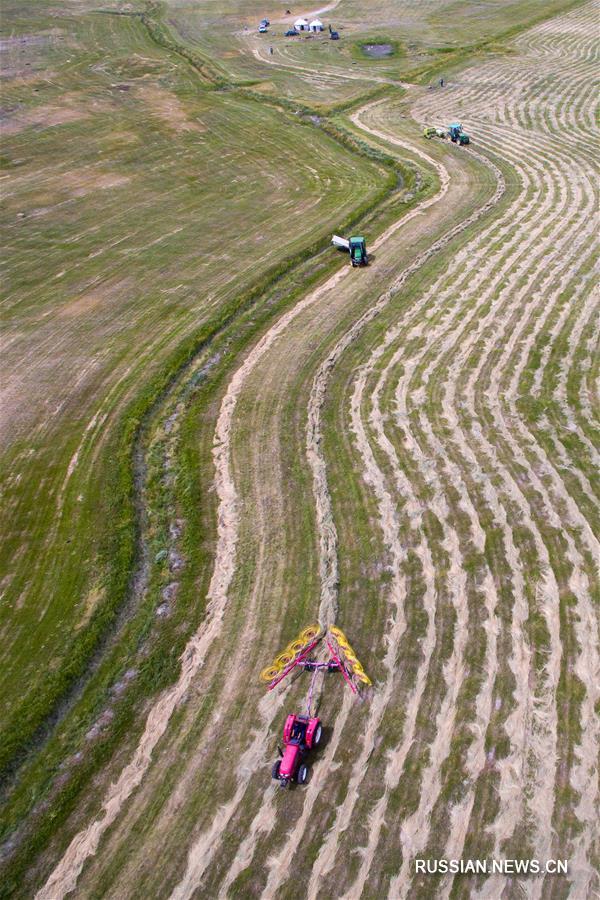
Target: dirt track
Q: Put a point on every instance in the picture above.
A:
(438, 431)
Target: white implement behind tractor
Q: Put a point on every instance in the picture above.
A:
(340, 242)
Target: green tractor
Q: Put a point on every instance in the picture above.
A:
(457, 135)
(358, 251)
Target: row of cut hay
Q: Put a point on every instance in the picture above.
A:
(450, 381)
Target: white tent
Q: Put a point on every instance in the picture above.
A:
(301, 24)
(316, 25)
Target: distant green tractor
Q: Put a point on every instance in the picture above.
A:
(457, 135)
(358, 251)
(356, 246)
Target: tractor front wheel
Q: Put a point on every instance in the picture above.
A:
(317, 736)
(275, 769)
(302, 775)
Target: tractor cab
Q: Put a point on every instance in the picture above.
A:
(358, 251)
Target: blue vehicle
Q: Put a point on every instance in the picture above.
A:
(291, 32)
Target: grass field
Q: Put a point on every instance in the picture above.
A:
(163, 209)
(216, 431)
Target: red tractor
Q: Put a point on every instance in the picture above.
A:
(300, 734)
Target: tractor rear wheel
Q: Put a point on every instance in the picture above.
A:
(275, 769)
(317, 736)
(302, 775)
